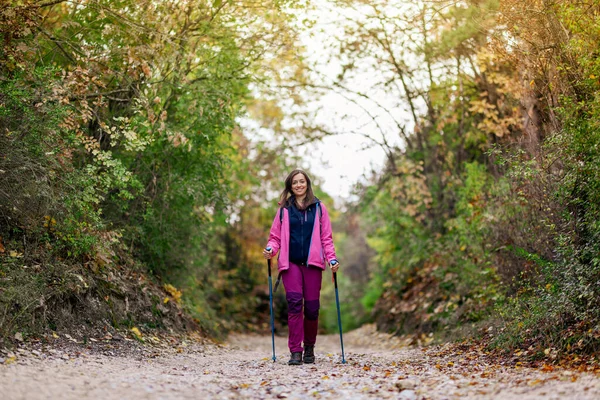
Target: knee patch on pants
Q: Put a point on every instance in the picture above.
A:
(311, 310)
(294, 301)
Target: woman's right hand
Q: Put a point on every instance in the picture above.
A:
(268, 253)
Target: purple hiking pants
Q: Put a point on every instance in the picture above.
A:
(302, 288)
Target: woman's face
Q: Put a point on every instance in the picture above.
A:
(299, 185)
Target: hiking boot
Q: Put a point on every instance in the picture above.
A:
(296, 358)
(309, 354)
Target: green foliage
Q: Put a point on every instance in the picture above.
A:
(33, 140)
(434, 209)
(119, 133)
(556, 303)
(352, 314)
(558, 299)
(373, 292)
(453, 266)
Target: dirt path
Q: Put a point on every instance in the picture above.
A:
(377, 367)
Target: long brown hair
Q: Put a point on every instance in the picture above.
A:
(287, 192)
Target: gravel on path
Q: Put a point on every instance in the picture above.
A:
(378, 367)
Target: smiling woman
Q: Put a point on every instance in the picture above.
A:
(298, 185)
(302, 231)
(299, 188)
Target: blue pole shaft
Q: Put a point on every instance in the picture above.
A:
(339, 316)
(271, 309)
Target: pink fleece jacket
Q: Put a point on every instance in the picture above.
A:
(321, 243)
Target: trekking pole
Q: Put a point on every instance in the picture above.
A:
(271, 305)
(337, 302)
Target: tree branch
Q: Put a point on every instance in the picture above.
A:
(50, 3)
(60, 47)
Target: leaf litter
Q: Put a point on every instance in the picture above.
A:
(378, 366)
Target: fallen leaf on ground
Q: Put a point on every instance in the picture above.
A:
(547, 368)
(136, 332)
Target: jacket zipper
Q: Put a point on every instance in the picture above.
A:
(302, 232)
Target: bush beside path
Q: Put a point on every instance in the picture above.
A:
(378, 366)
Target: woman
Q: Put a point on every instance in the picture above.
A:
(301, 233)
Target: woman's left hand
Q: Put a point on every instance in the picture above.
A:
(334, 267)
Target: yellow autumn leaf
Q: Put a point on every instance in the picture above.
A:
(173, 291)
(136, 332)
(166, 300)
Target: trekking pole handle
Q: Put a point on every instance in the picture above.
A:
(268, 248)
(334, 277)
